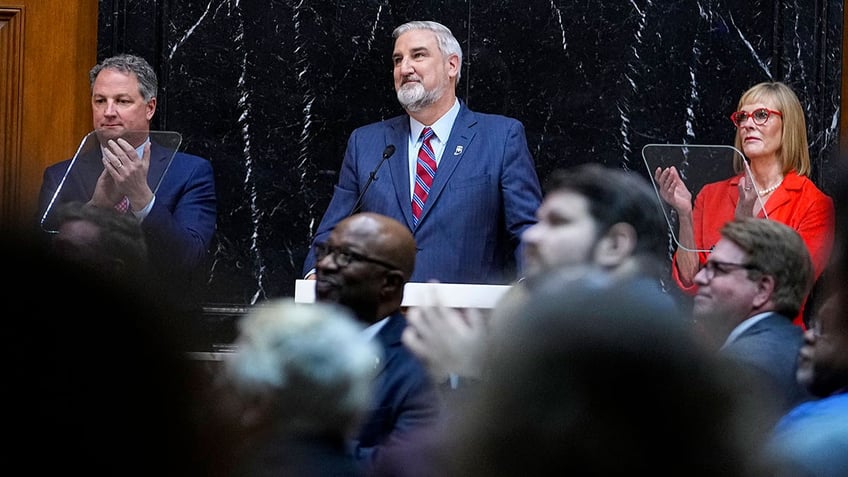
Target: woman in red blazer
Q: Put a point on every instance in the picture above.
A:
(772, 133)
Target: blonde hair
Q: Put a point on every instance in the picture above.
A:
(794, 152)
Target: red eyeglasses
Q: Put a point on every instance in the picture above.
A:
(760, 116)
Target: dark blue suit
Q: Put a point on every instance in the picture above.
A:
(484, 195)
(181, 224)
(405, 399)
(769, 349)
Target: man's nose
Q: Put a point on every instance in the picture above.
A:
(405, 67)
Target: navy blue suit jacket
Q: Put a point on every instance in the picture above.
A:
(484, 195)
(180, 226)
(769, 349)
(405, 399)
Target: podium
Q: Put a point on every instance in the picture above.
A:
(453, 295)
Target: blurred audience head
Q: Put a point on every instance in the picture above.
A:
(599, 215)
(810, 440)
(301, 368)
(823, 360)
(596, 378)
(101, 382)
(104, 240)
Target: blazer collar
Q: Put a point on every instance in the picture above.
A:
(457, 145)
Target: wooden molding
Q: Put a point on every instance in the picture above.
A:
(11, 111)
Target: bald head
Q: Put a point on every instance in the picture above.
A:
(381, 237)
(364, 265)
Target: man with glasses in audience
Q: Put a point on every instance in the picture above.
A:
(364, 265)
(751, 286)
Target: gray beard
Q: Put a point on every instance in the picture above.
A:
(416, 98)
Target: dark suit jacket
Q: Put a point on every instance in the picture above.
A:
(769, 349)
(180, 226)
(405, 399)
(484, 195)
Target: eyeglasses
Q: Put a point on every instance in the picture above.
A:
(760, 116)
(343, 257)
(714, 267)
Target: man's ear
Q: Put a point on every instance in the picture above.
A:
(151, 108)
(453, 66)
(765, 290)
(394, 279)
(616, 245)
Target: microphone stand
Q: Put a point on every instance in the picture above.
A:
(387, 153)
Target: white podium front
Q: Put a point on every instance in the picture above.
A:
(454, 295)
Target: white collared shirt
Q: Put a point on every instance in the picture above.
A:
(441, 132)
(371, 331)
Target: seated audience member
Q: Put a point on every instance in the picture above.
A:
(296, 388)
(812, 438)
(751, 286)
(598, 378)
(590, 215)
(102, 239)
(101, 383)
(364, 265)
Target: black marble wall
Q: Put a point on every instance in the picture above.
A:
(269, 90)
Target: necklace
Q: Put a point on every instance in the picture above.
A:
(771, 189)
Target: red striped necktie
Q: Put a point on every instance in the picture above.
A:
(425, 170)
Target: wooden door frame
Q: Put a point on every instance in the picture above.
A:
(46, 50)
(12, 23)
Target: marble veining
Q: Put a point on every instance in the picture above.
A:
(269, 91)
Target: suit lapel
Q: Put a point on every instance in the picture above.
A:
(792, 183)
(160, 161)
(457, 146)
(389, 338)
(398, 134)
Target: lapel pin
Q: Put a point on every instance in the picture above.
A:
(457, 151)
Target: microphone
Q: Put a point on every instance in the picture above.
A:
(387, 153)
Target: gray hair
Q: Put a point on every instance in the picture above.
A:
(312, 360)
(444, 38)
(125, 63)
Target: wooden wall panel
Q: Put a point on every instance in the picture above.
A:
(50, 106)
(11, 109)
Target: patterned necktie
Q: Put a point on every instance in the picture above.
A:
(424, 173)
(123, 205)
